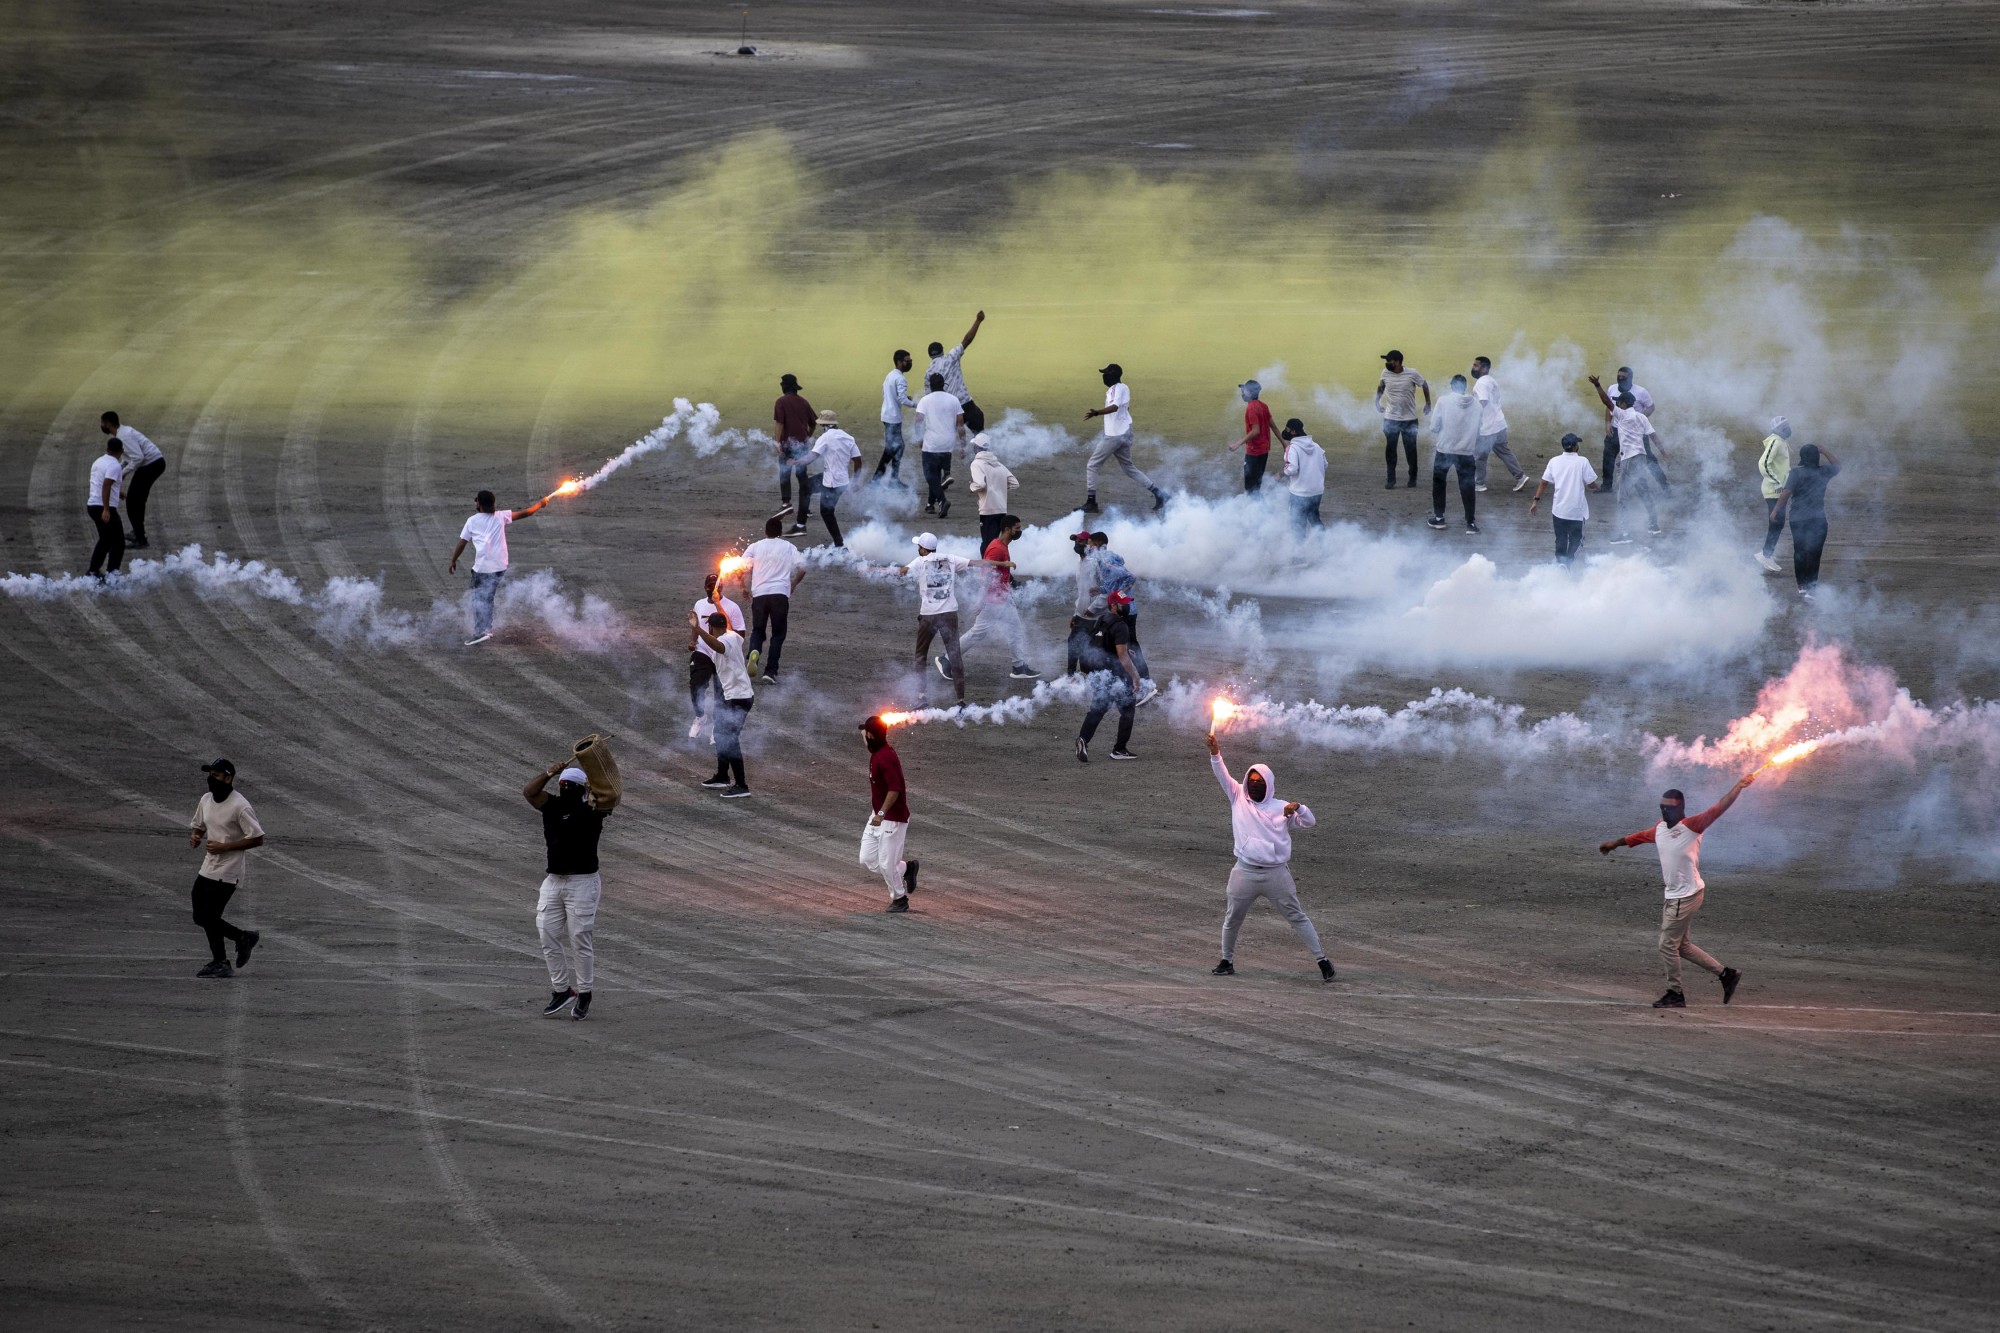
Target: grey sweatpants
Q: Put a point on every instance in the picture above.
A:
(567, 915)
(1485, 448)
(1109, 447)
(1246, 885)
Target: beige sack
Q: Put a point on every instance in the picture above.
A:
(593, 756)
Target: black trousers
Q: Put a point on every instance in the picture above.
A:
(975, 420)
(1110, 689)
(1808, 541)
(770, 611)
(135, 498)
(989, 528)
(1253, 472)
(1569, 539)
(110, 548)
(210, 897)
(937, 466)
(1467, 465)
(702, 682)
(729, 720)
(1609, 472)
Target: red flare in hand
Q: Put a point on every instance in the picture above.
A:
(1221, 710)
(732, 564)
(894, 719)
(1793, 753)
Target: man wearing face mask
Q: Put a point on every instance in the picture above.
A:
(1263, 826)
(225, 828)
(1117, 440)
(567, 909)
(1678, 838)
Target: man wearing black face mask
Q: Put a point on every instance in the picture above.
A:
(224, 827)
(1678, 838)
(567, 909)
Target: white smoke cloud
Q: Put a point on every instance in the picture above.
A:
(1443, 722)
(1017, 438)
(187, 566)
(699, 423)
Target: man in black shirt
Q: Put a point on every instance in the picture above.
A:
(1113, 676)
(1803, 502)
(567, 910)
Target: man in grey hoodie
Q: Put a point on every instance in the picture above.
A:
(1262, 825)
(1455, 426)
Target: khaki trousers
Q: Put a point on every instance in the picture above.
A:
(1676, 942)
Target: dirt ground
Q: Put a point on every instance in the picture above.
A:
(1025, 1104)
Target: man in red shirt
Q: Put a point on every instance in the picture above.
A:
(1678, 838)
(889, 824)
(997, 614)
(1256, 441)
(794, 418)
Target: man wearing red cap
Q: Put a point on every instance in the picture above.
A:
(1113, 676)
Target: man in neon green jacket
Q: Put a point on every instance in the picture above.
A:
(1772, 469)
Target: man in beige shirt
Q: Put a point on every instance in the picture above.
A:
(225, 827)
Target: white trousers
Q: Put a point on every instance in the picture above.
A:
(882, 851)
(998, 620)
(1249, 883)
(567, 915)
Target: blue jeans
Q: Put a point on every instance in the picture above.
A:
(1305, 512)
(484, 588)
(1569, 539)
(829, 500)
(793, 458)
(892, 451)
(1406, 431)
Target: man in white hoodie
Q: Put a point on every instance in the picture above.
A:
(1455, 446)
(993, 484)
(1305, 474)
(1263, 826)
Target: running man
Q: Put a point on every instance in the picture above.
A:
(1114, 576)
(994, 484)
(998, 617)
(1635, 440)
(1455, 447)
(1678, 838)
(895, 397)
(486, 530)
(1571, 474)
(1396, 400)
(1773, 466)
(1802, 502)
(793, 418)
(1305, 475)
(1113, 676)
(566, 909)
(1117, 440)
(1256, 440)
(702, 678)
(951, 366)
(838, 453)
(889, 819)
(100, 506)
(937, 612)
(1262, 827)
(144, 465)
(776, 569)
(738, 696)
(943, 417)
(225, 828)
(1640, 399)
(1089, 548)
(1492, 440)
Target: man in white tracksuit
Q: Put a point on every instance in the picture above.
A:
(1263, 828)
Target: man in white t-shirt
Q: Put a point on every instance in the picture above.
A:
(100, 506)
(732, 672)
(943, 416)
(1305, 474)
(1572, 475)
(144, 465)
(1492, 440)
(895, 397)
(776, 567)
(702, 678)
(1117, 440)
(225, 828)
(1636, 439)
(937, 609)
(1678, 839)
(486, 531)
(1641, 400)
(838, 453)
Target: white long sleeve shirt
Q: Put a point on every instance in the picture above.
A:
(1263, 830)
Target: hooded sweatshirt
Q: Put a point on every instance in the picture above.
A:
(1455, 422)
(1263, 831)
(991, 482)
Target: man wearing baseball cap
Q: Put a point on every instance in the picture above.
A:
(1117, 441)
(1256, 440)
(566, 911)
(793, 418)
(1396, 400)
(1114, 678)
(225, 828)
(937, 611)
(838, 453)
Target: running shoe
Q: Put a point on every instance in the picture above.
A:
(1730, 978)
(1673, 999)
(1082, 750)
(736, 793)
(750, 662)
(901, 904)
(1472, 529)
(1159, 499)
(694, 728)
(943, 667)
(1770, 566)
(559, 1000)
(1521, 481)
(478, 639)
(1090, 504)
(1225, 968)
(909, 877)
(1479, 490)
(1025, 673)
(249, 942)
(719, 780)
(582, 1006)
(1123, 754)
(1621, 539)
(1389, 485)
(209, 970)
(1435, 522)
(1325, 970)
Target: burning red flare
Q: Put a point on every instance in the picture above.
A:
(1793, 753)
(894, 719)
(570, 487)
(1221, 710)
(732, 564)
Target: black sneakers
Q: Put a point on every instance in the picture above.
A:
(1090, 504)
(1082, 750)
(1123, 754)
(1325, 970)
(219, 968)
(1434, 522)
(736, 793)
(559, 1000)
(901, 904)
(719, 780)
(1225, 968)
(909, 877)
(250, 938)
(1673, 999)
(1730, 978)
(582, 1006)
(1159, 499)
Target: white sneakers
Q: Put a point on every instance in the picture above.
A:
(1522, 481)
(1770, 566)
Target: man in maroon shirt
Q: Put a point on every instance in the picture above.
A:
(1256, 441)
(794, 418)
(889, 824)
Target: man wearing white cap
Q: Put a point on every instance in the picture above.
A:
(992, 482)
(838, 453)
(567, 909)
(937, 610)
(1262, 827)
(1772, 469)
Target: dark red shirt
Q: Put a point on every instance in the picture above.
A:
(795, 417)
(1257, 423)
(885, 774)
